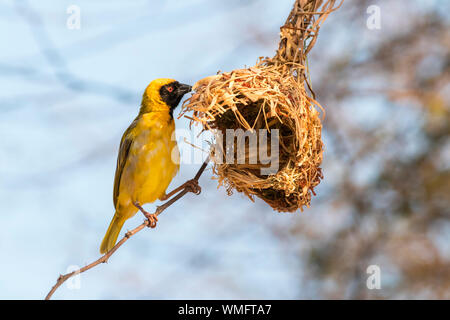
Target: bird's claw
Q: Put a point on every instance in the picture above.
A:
(152, 220)
(151, 217)
(193, 186)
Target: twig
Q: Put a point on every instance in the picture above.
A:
(129, 234)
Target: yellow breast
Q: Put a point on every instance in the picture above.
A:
(153, 160)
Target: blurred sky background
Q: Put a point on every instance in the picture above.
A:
(67, 96)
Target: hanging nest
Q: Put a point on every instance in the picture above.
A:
(270, 95)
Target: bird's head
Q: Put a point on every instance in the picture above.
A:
(163, 95)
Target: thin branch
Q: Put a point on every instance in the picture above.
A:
(129, 234)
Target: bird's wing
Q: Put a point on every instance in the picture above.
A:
(125, 145)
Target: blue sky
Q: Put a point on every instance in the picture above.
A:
(59, 151)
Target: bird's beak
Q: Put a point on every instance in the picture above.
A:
(183, 89)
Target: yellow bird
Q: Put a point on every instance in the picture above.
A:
(147, 160)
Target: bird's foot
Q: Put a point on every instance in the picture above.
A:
(190, 185)
(193, 186)
(152, 217)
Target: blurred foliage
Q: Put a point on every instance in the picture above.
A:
(387, 168)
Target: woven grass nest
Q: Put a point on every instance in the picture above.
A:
(270, 95)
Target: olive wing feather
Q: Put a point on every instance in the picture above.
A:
(124, 150)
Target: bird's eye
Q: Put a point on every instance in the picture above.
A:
(170, 89)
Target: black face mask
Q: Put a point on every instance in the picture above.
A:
(172, 94)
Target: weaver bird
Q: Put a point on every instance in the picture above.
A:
(147, 157)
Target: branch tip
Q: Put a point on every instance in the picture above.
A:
(104, 259)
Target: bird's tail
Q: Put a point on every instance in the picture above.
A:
(113, 232)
